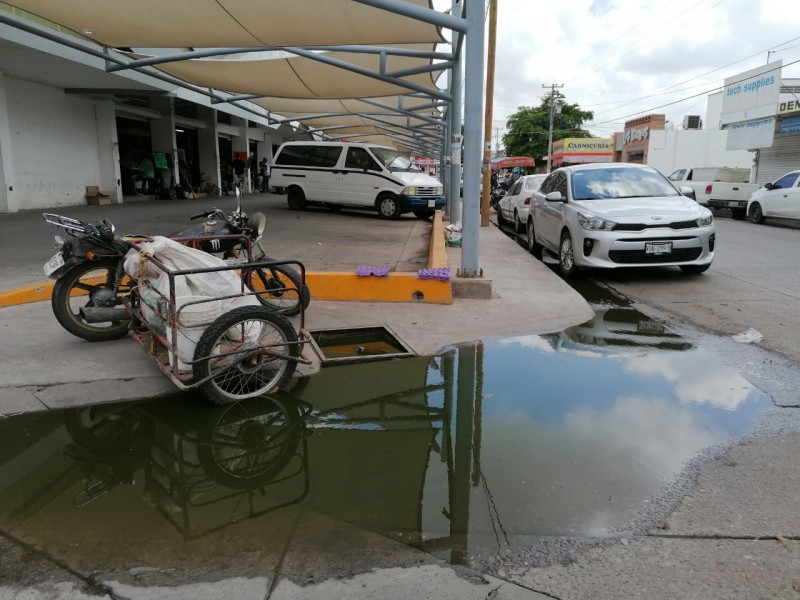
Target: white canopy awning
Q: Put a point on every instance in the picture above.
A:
(311, 57)
(232, 23)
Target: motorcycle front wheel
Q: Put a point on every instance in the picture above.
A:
(90, 284)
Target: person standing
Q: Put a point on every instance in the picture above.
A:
(265, 173)
(238, 171)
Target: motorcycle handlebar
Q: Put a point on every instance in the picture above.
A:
(200, 215)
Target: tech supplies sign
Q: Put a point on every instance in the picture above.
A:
(749, 105)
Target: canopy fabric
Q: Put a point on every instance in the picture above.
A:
(508, 162)
(298, 77)
(232, 23)
(288, 84)
(313, 106)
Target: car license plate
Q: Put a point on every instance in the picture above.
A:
(431, 203)
(53, 264)
(650, 327)
(733, 204)
(658, 247)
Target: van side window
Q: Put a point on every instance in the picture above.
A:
(309, 156)
(358, 158)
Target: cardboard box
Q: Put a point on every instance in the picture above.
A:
(95, 197)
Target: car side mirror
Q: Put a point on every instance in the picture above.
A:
(688, 192)
(768, 185)
(554, 197)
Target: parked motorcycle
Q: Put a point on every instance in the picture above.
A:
(91, 281)
(282, 285)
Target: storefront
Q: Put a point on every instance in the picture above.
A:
(784, 154)
(576, 151)
(635, 137)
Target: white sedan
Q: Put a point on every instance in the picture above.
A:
(513, 207)
(781, 199)
(618, 215)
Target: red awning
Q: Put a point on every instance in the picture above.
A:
(513, 161)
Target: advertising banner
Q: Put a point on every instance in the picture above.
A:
(752, 95)
(750, 135)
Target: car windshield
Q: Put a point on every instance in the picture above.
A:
(620, 182)
(393, 160)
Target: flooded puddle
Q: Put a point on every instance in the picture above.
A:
(477, 451)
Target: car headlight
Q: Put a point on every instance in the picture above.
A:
(409, 191)
(594, 223)
(705, 219)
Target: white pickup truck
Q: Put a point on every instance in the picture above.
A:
(718, 187)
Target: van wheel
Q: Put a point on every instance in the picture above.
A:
(389, 206)
(297, 199)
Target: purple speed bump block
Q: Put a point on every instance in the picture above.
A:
(440, 273)
(374, 271)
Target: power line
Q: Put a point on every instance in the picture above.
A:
(616, 119)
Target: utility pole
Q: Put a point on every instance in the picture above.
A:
(552, 87)
(487, 128)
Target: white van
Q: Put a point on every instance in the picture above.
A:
(340, 174)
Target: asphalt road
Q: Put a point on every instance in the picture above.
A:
(754, 282)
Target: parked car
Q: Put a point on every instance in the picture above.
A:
(781, 198)
(337, 174)
(513, 207)
(718, 187)
(618, 215)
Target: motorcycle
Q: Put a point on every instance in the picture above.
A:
(282, 286)
(91, 281)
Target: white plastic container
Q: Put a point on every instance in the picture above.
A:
(192, 322)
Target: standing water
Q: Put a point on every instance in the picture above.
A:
(483, 449)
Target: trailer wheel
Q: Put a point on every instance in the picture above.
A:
(249, 351)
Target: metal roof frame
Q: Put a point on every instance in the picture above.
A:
(466, 18)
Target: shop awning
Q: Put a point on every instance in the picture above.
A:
(508, 162)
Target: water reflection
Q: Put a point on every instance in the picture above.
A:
(478, 450)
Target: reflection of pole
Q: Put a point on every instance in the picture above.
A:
(462, 464)
(476, 420)
(448, 368)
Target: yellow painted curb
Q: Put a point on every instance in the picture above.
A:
(395, 287)
(437, 252)
(29, 293)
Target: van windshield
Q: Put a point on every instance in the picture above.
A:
(393, 160)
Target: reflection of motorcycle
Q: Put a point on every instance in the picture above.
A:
(187, 453)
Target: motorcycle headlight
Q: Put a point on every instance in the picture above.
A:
(705, 219)
(257, 223)
(594, 223)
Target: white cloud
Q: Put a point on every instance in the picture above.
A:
(608, 53)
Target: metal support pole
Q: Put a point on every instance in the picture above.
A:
(473, 139)
(456, 92)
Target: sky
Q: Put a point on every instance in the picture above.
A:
(622, 59)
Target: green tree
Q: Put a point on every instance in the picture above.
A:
(528, 127)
